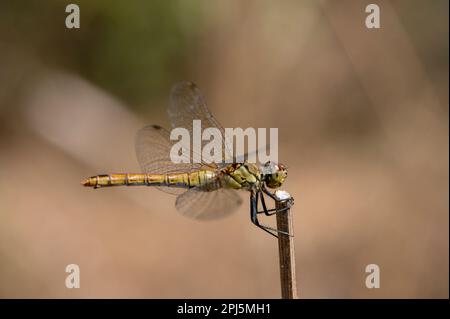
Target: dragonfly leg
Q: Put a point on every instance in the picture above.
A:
(268, 193)
(254, 214)
(255, 221)
(272, 211)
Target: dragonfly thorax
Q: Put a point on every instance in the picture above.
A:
(242, 176)
(273, 174)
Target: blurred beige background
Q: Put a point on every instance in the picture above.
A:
(363, 127)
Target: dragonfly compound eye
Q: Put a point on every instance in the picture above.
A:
(276, 177)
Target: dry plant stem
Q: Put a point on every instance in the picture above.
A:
(286, 252)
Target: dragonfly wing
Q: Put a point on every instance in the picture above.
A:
(153, 147)
(187, 104)
(198, 204)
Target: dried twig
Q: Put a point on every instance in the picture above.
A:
(286, 252)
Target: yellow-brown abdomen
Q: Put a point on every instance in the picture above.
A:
(182, 180)
(124, 179)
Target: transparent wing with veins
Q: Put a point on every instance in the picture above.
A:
(153, 147)
(201, 205)
(187, 104)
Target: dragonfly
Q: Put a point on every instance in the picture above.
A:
(204, 191)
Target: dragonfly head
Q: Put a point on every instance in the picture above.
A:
(274, 175)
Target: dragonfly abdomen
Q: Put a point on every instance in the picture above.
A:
(181, 180)
(106, 180)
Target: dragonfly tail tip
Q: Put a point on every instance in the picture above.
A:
(86, 182)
